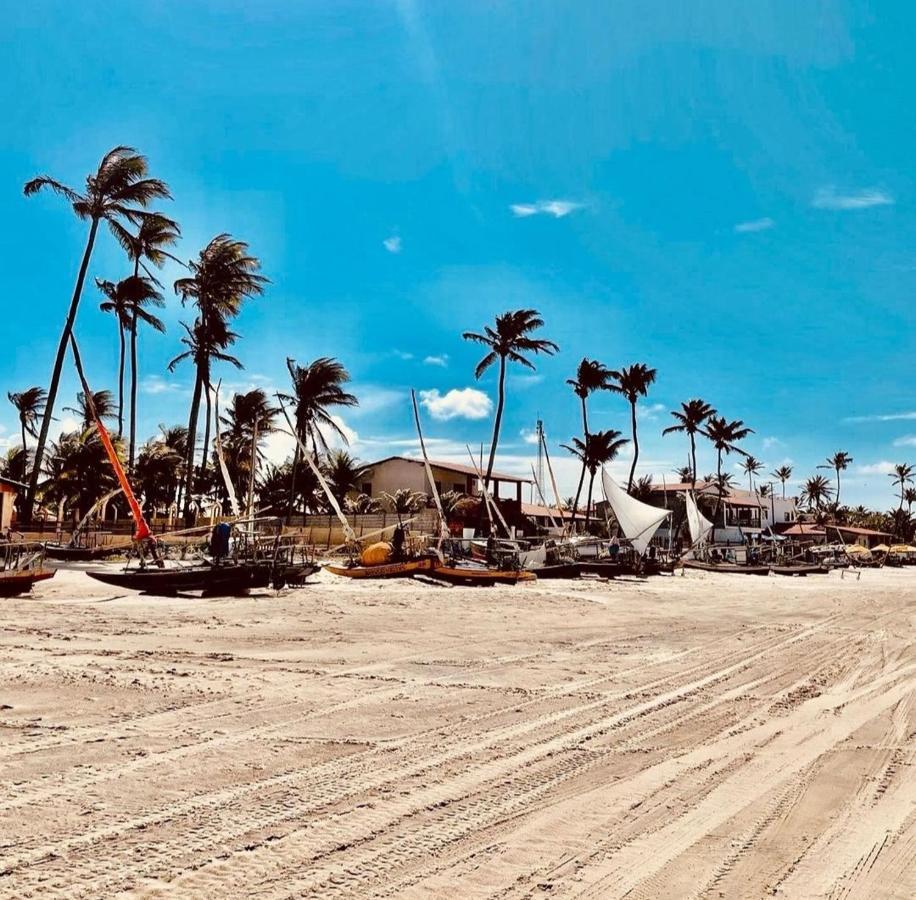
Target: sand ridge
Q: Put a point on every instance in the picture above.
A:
(685, 736)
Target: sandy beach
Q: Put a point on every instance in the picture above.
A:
(719, 736)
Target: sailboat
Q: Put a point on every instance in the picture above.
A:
(21, 567)
(81, 547)
(638, 521)
(700, 528)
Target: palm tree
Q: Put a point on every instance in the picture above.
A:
(103, 406)
(903, 475)
(248, 420)
(816, 492)
(508, 342)
(600, 448)
(157, 473)
(591, 376)
(222, 277)
(783, 474)
(909, 497)
(764, 491)
(30, 405)
(690, 418)
(632, 382)
(154, 234)
(751, 466)
(643, 488)
(114, 192)
(404, 502)
(724, 436)
(344, 473)
(363, 504)
(126, 301)
(838, 462)
(317, 387)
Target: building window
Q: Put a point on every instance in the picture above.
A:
(458, 488)
(439, 487)
(366, 488)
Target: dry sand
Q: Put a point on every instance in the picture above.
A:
(720, 736)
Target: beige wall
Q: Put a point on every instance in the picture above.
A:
(7, 500)
(401, 473)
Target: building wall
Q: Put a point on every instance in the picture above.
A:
(396, 474)
(7, 501)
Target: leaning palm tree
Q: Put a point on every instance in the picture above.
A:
(118, 190)
(724, 436)
(222, 277)
(600, 448)
(838, 462)
(154, 234)
(591, 376)
(816, 492)
(632, 382)
(903, 475)
(102, 407)
(509, 341)
(30, 405)
(317, 387)
(127, 300)
(690, 418)
(783, 474)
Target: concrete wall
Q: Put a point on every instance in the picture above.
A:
(7, 501)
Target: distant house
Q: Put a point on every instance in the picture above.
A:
(547, 516)
(9, 490)
(396, 472)
(741, 514)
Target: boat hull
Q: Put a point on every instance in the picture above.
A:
(13, 583)
(557, 570)
(226, 580)
(79, 554)
(480, 575)
(403, 569)
(801, 571)
(725, 568)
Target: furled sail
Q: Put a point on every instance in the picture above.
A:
(698, 524)
(638, 521)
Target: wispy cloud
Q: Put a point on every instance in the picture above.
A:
(440, 360)
(529, 437)
(556, 208)
(403, 355)
(156, 384)
(464, 403)
(651, 412)
(879, 468)
(523, 382)
(882, 417)
(392, 244)
(764, 224)
(828, 198)
(907, 440)
(374, 398)
(770, 442)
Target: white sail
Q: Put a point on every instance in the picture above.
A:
(638, 521)
(698, 524)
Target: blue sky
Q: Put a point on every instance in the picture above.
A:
(722, 191)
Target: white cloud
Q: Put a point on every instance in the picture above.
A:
(278, 446)
(374, 398)
(828, 198)
(886, 417)
(68, 424)
(908, 440)
(529, 437)
(879, 468)
(651, 412)
(770, 442)
(466, 403)
(523, 382)
(556, 208)
(441, 360)
(403, 354)
(763, 224)
(392, 244)
(156, 384)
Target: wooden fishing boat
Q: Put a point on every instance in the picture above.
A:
(557, 570)
(801, 570)
(399, 569)
(68, 553)
(726, 568)
(21, 567)
(227, 579)
(467, 573)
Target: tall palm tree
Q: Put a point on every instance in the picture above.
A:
(838, 462)
(509, 341)
(103, 406)
(599, 448)
(154, 233)
(690, 418)
(30, 405)
(317, 387)
(248, 420)
(783, 474)
(126, 301)
(903, 475)
(632, 382)
(816, 492)
(222, 277)
(118, 189)
(751, 466)
(724, 436)
(591, 376)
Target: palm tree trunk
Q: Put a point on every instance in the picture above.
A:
(206, 449)
(582, 473)
(588, 508)
(693, 461)
(497, 421)
(29, 504)
(192, 445)
(718, 492)
(292, 485)
(25, 452)
(635, 445)
(837, 488)
(133, 394)
(121, 353)
(254, 468)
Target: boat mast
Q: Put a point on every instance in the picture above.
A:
(443, 526)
